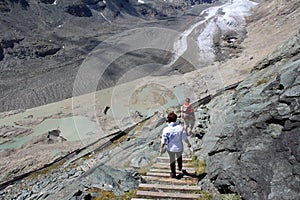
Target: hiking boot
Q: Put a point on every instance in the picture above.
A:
(184, 172)
(172, 175)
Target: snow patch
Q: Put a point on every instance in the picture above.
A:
(180, 46)
(230, 16)
(105, 18)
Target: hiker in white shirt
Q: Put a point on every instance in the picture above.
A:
(172, 136)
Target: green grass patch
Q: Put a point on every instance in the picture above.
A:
(199, 166)
(230, 197)
(126, 164)
(102, 194)
(205, 195)
(143, 170)
(107, 195)
(119, 140)
(260, 82)
(46, 170)
(129, 195)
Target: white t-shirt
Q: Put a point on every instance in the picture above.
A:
(173, 135)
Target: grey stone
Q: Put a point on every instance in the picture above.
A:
(78, 173)
(24, 195)
(45, 182)
(64, 176)
(111, 179)
(283, 109)
(35, 189)
(274, 130)
(72, 172)
(292, 92)
(140, 161)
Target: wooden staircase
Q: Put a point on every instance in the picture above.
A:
(159, 185)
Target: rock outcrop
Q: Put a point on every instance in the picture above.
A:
(23, 3)
(79, 10)
(257, 153)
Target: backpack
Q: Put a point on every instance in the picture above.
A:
(187, 111)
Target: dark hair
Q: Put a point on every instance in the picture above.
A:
(172, 117)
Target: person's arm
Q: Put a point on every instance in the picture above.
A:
(188, 143)
(164, 140)
(161, 149)
(184, 136)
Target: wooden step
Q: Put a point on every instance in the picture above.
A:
(189, 170)
(166, 159)
(168, 195)
(169, 187)
(163, 174)
(181, 181)
(167, 174)
(167, 165)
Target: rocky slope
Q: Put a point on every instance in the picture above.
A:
(256, 154)
(82, 120)
(45, 42)
(253, 140)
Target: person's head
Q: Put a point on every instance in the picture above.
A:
(172, 117)
(187, 100)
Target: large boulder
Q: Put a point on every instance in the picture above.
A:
(80, 10)
(44, 50)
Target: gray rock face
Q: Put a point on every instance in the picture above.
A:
(110, 179)
(140, 161)
(84, 177)
(203, 121)
(257, 154)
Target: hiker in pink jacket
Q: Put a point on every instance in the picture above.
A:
(188, 115)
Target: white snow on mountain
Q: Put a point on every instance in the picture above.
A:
(230, 16)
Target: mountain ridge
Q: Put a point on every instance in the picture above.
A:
(52, 43)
